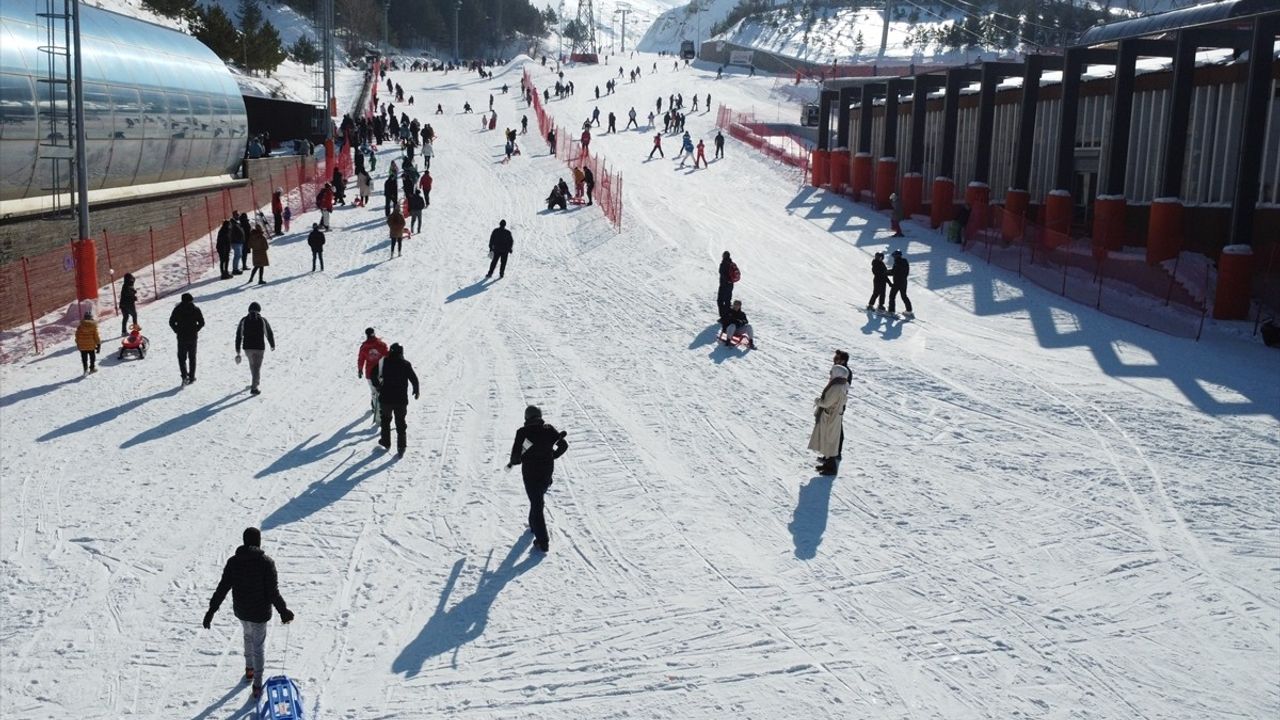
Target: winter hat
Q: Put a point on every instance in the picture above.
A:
(897, 253)
(502, 223)
(128, 277)
(396, 349)
(254, 307)
(368, 332)
(533, 412)
(186, 297)
(879, 256)
(839, 371)
(253, 537)
(88, 314)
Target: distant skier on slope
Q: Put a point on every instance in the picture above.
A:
(536, 447)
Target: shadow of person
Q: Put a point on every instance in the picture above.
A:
(217, 704)
(99, 418)
(184, 421)
(304, 453)
(322, 493)
(17, 397)
(892, 328)
(874, 321)
(449, 629)
(471, 290)
(708, 335)
(810, 519)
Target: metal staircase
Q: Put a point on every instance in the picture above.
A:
(55, 110)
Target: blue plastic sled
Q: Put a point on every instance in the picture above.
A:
(281, 700)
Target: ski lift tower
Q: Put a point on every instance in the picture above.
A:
(584, 47)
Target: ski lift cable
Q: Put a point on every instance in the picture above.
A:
(961, 26)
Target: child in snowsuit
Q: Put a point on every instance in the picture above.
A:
(88, 342)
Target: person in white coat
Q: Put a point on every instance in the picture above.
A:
(828, 415)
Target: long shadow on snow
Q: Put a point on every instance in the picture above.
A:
(304, 453)
(471, 290)
(7, 400)
(217, 704)
(321, 493)
(722, 352)
(706, 337)
(246, 286)
(184, 421)
(359, 271)
(810, 519)
(448, 630)
(888, 328)
(105, 416)
(1058, 322)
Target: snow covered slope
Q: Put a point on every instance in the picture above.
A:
(1043, 512)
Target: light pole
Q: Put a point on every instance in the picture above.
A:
(624, 9)
(457, 53)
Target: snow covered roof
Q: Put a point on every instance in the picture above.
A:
(1205, 14)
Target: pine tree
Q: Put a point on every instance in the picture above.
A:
(265, 49)
(305, 51)
(214, 28)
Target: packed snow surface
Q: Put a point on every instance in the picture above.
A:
(1043, 512)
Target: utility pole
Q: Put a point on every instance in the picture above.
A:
(77, 89)
(386, 41)
(884, 33)
(457, 10)
(624, 9)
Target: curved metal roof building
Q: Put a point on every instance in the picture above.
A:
(159, 105)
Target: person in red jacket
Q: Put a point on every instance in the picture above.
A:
(657, 146)
(702, 155)
(372, 350)
(277, 208)
(324, 201)
(425, 185)
(586, 142)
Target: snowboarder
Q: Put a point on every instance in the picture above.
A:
(536, 447)
(879, 282)
(250, 577)
(395, 226)
(372, 350)
(735, 323)
(186, 321)
(899, 272)
(254, 334)
(315, 241)
(500, 246)
(393, 376)
(728, 276)
(88, 342)
(258, 244)
(828, 416)
(128, 303)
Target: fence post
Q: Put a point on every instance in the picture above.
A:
(208, 214)
(31, 311)
(1101, 275)
(155, 284)
(111, 268)
(182, 229)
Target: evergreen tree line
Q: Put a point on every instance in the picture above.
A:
(248, 41)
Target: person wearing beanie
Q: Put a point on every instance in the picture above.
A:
(254, 334)
(393, 376)
(186, 321)
(724, 293)
(128, 304)
(536, 447)
(372, 350)
(250, 577)
(879, 283)
(88, 342)
(315, 241)
(828, 416)
(899, 272)
(500, 246)
(277, 209)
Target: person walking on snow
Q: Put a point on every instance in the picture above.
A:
(500, 246)
(250, 577)
(393, 376)
(879, 282)
(254, 334)
(186, 321)
(244, 241)
(372, 350)
(395, 226)
(578, 178)
(88, 342)
(324, 201)
(128, 303)
(223, 245)
(728, 276)
(828, 417)
(416, 206)
(536, 447)
(258, 244)
(899, 272)
(589, 183)
(424, 184)
(235, 238)
(586, 143)
(315, 241)
(895, 217)
(719, 142)
(613, 123)
(657, 146)
(390, 193)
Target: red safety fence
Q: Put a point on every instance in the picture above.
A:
(164, 258)
(777, 143)
(608, 191)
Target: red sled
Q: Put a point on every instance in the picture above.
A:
(738, 340)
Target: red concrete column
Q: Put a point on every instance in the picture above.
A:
(912, 194)
(820, 165)
(839, 174)
(1235, 266)
(1013, 222)
(1057, 218)
(886, 179)
(861, 174)
(941, 209)
(978, 196)
(1164, 230)
(85, 254)
(1108, 222)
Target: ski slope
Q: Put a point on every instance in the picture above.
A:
(1043, 512)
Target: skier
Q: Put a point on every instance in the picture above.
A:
(701, 156)
(686, 147)
(535, 449)
(899, 272)
(315, 241)
(372, 350)
(88, 342)
(735, 323)
(258, 244)
(895, 217)
(828, 416)
(589, 183)
(879, 281)
(719, 141)
(500, 246)
(657, 145)
(631, 119)
(254, 334)
(128, 303)
(395, 226)
(186, 321)
(250, 577)
(393, 377)
(728, 276)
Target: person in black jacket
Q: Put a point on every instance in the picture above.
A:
(735, 322)
(128, 304)
(244, 241)
(250, 577)
(901, 268)
(536, 447)
(879, 282)
(393, 377)
(254, 334)
(236, 238)
(724, 295)
(391, 194)
(500, 246)
(186, 321)
(223, 246)
(315, 241)
(589, 180)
